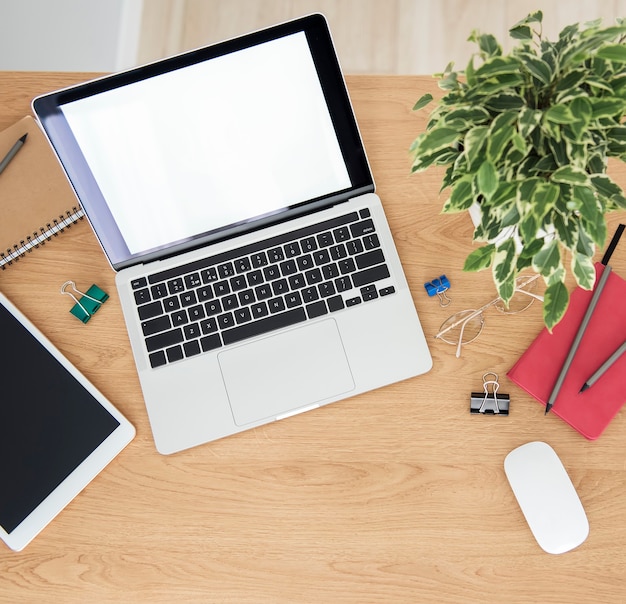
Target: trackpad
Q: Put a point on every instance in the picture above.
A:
(284, 372)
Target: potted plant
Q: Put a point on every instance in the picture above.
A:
(527, 136)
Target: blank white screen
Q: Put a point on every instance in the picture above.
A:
(210, 145)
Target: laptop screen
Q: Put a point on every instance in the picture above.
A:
(216, 141)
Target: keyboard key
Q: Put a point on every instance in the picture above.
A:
(335, 303)
(188, 298)
(204, 293)
(242, 315)
(208, 275)
(246, 297)
(226, 320)
(175, 353)
(308, 244)
(275, 254)
(325, 239)
(191, 331)
(157, 359)
(230, 302)
(179, 318)
(327, 289)
(288, 267)
(370, 275)
(353, 301)
(162, 340)
(369, 293)
(259, 259)
(208, 326)
(365, 213)
(280, 286)
(330, 271)
(265, 325)
(148, 311)
(159, 290)
(221, 288)
(321, 257)
(170, 304)
(142, 296)
(297, 281)
(213, 307)
(370, 258)
(238, 282)
(386, 291)
(242, 265)
(354, 247)
(192, 280)
(255, 278)
(175, 286)
(313, 276)
(337, 252)
(139, 282)
(210, 342)
(226, 270)
(259, 310)
(341, 234)
(292, 249)
(346, 266)
(305, 262)
(276, 305)
(263, 292)
(317, 309)
(371, 241)
(156, 325)
(310, 294)
(293, 299)
(191, 348)
(271, 272)
(343, 284)
(196, 312)
(366, 227)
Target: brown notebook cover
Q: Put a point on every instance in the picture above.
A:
(36, 200)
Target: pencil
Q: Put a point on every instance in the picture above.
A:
(578, 338)
(598, 374)
(11, 154)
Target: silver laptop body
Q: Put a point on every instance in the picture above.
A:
(230, 190)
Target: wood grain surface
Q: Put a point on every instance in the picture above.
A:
(397, 495)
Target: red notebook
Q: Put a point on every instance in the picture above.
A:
(538, 368)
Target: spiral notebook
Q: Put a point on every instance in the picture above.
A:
(36, 200)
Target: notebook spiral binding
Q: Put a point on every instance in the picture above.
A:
(47, 232)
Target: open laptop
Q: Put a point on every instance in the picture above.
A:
(230, 190)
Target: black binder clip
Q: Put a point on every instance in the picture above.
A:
(89, 302)
(490, 402)
(439, 287)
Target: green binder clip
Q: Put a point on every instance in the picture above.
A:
(88, 303)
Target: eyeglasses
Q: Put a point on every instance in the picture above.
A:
(465, 326)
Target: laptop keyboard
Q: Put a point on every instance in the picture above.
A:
(258, 288)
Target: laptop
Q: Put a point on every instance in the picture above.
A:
(230, 190)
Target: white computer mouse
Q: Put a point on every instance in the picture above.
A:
(547, 497)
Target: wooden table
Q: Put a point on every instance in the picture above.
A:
(398, 495)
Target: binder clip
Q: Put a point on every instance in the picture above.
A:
(490, 402)
(439, 287)
(89, 302)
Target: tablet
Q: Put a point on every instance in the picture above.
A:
(57, 432)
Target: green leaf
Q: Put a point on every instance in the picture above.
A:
(462, 196)
(487, 179)
(505, 102)
(613, 52)
(538, 68)
(504, 269)
(521, 32)
(584, 270)
(544, 198)
(571, 176)
(497, 66)
(547, 259)
(473, 143)
(487, 43)
(423, 101)
(555, 303)
(559, 114)
(480, 258)
(436, 139)
(528, 120)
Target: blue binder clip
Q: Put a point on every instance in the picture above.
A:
(89, 302)
(439, 287)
